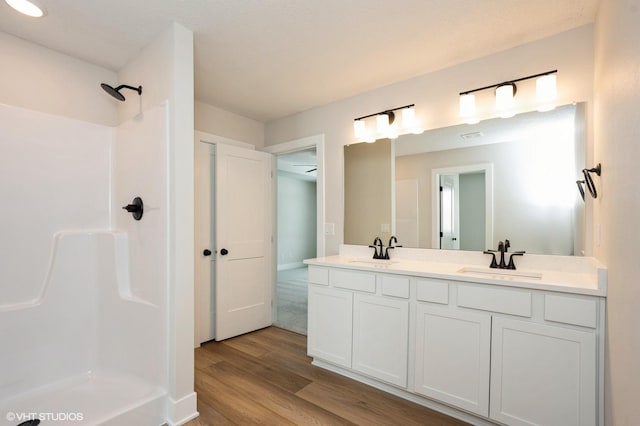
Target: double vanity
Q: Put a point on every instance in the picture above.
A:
(442, 329)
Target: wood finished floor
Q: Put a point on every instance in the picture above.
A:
(266, 378)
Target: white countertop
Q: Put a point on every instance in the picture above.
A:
(567, 274)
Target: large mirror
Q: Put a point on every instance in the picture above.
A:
(469, 186)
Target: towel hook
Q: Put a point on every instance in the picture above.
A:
(588, 180)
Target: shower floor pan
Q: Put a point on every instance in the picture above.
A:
(90, 399)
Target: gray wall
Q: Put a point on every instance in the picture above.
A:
(472, 211)
(296, 220)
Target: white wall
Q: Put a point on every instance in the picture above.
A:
(617, 209)
(40, 79)
(165, 70)
(296, 220)
(216, 121)
(436, 99)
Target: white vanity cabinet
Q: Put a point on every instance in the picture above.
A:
(360, 320)
(452, 357)
(380, 338)
(542, 375)
(514, 355)
(330, 316)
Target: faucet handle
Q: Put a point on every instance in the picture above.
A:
(494, 263)
(511, 264)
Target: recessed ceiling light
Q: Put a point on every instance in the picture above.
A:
(27, 7)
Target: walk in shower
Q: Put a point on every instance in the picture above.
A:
(83, 294)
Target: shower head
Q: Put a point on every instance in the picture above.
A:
(116, 92)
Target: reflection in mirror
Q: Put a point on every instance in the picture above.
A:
(523, 169)
(367, 192)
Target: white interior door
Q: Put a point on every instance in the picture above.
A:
(244, 241)
(204, 242)
(449, 212)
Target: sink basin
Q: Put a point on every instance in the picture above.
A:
(374, 262)
(504, 274)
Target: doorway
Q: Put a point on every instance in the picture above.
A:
(296, 235)
(310, 144)
(462, 200)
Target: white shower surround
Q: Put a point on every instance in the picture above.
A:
(83, 302)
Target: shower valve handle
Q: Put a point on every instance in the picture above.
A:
(136, 208)
(132, 208)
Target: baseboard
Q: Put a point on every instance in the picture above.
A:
(287, 266)
(183, 410)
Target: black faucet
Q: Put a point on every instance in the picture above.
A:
(391, 245)
(378, 252)
(503, 247)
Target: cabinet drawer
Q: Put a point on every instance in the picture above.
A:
(395, 286)
(433, 291)
(318, 275)
(571, 310)
(500, 300)
(352, 280)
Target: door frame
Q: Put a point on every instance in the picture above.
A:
(317, 142)
(487, 168)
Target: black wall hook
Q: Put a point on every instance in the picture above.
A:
(588, 180)
(136, 208)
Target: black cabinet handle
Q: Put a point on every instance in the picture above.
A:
(207, 252)
(224, 252)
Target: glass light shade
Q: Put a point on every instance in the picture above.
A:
(27, 7)
(504, 100)
(359, 129)
(468, 108)
(546, 92)
(382, 122)
(408, 118)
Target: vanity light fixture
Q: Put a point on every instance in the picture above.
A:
(546, 93)
(468, 108)
(27, 7)
(504, 99)
(386, 125)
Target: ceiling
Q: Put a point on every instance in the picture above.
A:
(303, 164)
(267, 59)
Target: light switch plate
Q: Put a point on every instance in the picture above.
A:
(329, 229)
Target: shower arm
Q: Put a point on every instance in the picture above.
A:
(126, 86)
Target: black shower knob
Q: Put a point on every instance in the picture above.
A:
(136, 208)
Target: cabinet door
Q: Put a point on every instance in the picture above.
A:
(542, 375)
(330, 320)
(381, 338)
(452, 357)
